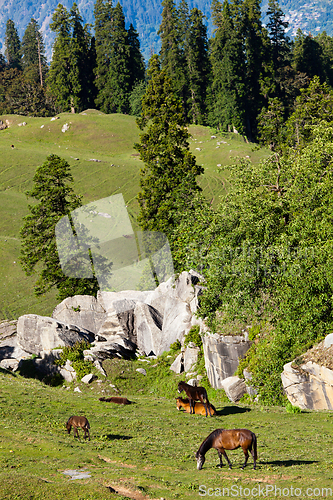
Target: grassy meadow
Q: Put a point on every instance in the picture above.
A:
(146, 450)
(91, 136)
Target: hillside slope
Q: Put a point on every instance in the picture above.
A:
(91, 136)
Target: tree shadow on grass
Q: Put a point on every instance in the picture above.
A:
(289, 463)
(231, 410)
(112, 437)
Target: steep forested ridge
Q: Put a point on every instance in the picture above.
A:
(145, 16)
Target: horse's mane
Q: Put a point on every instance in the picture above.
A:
(207, 443)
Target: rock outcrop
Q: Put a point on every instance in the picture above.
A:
(222, 354)
(36, 334)
(308, 386)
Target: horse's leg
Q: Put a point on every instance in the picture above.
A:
(220, 457)
(246, 453)
(76, 432)
(254, 458)
(191, 405)
(204, 404)
(86, 433)
(226, 457)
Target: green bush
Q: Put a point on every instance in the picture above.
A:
(292, 409)
(75, 355)
(194, 336)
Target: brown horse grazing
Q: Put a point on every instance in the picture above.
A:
(199, 408)
(116, 399)
(76, 422)
(195, 394)
(223, 439)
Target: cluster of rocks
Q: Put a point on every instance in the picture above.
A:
(130, 323)
(118, 324)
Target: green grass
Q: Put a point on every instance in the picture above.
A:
(94, 135)
(146, 449)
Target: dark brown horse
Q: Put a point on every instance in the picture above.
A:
(224, 439)
(76, 422)
(116, 399)
(195, 394)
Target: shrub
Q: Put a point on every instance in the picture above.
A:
(194, 336)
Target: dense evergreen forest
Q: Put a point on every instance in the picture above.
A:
(233, 81)
(266, 251)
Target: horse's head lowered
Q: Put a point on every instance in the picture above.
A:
(200, 460)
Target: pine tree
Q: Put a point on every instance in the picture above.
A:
(171, 54)
(276, 28)
(33, 53)
(103, 14)
(82, 60)
(168, 182)
(70, 72)
(119, 61)
(13, 46)
(55, 198)
(254, 47)
(59, 77)
(227, 91)
(307, 56)
(136, 61)
(198, 67)
(117, 86)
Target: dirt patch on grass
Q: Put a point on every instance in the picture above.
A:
(109, 461)
(121, 490)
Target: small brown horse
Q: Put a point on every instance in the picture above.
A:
(76, 422)
(224, 439)
(199, 408)
(195, 394)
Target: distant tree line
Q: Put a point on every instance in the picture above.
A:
(234, 81)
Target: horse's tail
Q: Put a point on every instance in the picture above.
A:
(254, 441)
(87, 423)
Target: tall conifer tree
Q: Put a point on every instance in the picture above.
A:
(68, 78)
(198, 67)
(119, 61)
(255, 46)
(169, 176)
(13, 46)
(33, 53)
(136, 61)
(118, 80)
(227, 92)
(172, 56)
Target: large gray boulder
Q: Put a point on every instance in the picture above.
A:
(148, 328)
(222, 354)
(234, 387)
(36, 334)
(176, 323)
(84, 311)
(191, 355)
(308, 386)
(107, 299)
(10, 349)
